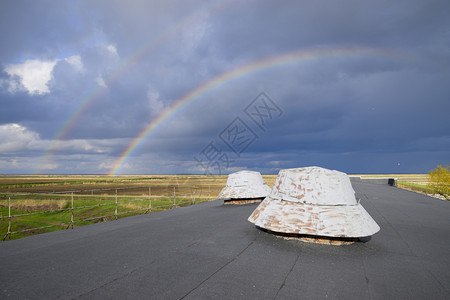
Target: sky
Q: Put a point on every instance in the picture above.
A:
(214, 87)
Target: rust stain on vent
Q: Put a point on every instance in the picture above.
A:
(244, 187)
(324, 240)
(315, 202)
(243, 201)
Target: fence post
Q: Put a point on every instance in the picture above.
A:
(209, 192)
(149, 199)
(71, 215)
(115, 212)
(174, 203)
(8, 234)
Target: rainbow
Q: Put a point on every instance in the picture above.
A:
(242, 70)
(125, 65)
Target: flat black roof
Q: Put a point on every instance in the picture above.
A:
(211, 251)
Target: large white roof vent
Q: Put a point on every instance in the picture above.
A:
(314, 201)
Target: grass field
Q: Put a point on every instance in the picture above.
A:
(42, 203)
(39, 204)
(409, 178)
(414, 182)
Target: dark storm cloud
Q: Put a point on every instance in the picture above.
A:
(270, 26)
(44, 29)
(358, 112)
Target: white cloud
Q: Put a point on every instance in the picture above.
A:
(101, 82)
(112, 49)
(33, 75)
(110, 163)
(49, 166)
(78, 145)
(156, 106)
(14, 138)
(193, 34)
(88, 146)
(18, 164)
(11, 85)
(75, 61)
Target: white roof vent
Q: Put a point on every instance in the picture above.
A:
(244, 187)
(314, 201)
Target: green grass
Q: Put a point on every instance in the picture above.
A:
(415, 187)
(45, 200)
(56, 211)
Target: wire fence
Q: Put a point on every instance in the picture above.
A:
(27, 214)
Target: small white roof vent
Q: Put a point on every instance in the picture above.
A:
(244, 187)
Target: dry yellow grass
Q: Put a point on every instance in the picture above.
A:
(410, 178)
(269, 179)
(38, 205)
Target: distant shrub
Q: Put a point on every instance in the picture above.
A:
(439, 181)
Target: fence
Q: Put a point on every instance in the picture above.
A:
(27, 214)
